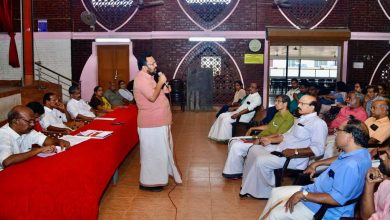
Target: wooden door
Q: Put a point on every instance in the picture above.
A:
(113, 64)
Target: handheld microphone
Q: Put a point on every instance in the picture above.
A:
(166, 83)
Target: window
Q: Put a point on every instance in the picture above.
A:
(214, 2)
(213, 62)
(117, 3)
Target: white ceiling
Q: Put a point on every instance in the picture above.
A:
(305, 52)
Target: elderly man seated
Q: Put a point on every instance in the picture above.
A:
(306, 138)
(379, 124)
(354, 107)
(77, 107)
(222, 127)
(18, 136)
(376, 205)
(114, 97)
(238, 148)
(55, 114)
(339, 186)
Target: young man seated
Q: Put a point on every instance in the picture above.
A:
(376, 205)
(222, 127)
(18, 136)
(341, 182)
(55, 114)
(238, 148)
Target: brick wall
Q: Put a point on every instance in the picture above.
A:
(250, 15)
(357, 52)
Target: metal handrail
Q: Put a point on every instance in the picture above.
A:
(53, 75)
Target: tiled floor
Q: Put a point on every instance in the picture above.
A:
(204, 194)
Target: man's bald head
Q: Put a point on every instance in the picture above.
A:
(21, 119)
(308, 104)
(380, 109)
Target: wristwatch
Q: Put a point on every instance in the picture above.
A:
(296, 151)
(305, 193)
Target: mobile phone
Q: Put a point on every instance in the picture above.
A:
(277, 153)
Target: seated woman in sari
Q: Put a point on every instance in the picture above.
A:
(98, 102)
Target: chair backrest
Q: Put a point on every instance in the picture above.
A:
(261, 113)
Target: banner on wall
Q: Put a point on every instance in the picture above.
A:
(254, 58)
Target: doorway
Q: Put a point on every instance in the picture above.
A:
(315, 64)
(113, 64)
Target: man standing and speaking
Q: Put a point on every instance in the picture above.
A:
(154, 127)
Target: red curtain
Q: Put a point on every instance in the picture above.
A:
(7, 25)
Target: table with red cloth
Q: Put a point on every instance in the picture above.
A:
(69, 185)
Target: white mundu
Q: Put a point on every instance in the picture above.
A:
(222, 127)
(53, 117)
(76, 107)
(258, 178)
(13, 143)
(155, 156)
(234, 164)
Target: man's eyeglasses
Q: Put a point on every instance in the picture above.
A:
(304, 103)
(31, 122)
(151, 64)
(338, 130)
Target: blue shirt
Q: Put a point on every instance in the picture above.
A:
(343, 181)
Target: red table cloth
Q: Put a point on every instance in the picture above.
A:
(69, 185)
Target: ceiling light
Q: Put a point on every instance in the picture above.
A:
(213, 39)
(112, 40)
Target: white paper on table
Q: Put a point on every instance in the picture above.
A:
(105, 119)
(73, 140)
(58, 150)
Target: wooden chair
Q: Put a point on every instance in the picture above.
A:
(285, 171)
(240, 128)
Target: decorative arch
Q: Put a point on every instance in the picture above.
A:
(305, 15)
(228, 73)
(382, 70)
(208, 14)
(385, 6)
(111, 18)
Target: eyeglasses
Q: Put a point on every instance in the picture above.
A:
(151, 64)
(31, 121)
(338, 130)
(303, 103)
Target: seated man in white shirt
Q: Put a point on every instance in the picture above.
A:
(305, 139)
(77, 107)
(222, 127)
(18, 136)
(55, 114)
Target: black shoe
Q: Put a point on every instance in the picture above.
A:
(151, 189)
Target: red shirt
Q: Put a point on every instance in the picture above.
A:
(150, 114)
(359, 113)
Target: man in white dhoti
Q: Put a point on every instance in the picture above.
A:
(222, 127)
(154, 127)
(306, 138)
(239, 146)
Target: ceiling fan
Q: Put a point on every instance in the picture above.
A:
(142, 5)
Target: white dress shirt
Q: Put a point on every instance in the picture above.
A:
(291, 93)
(126, 94)
(250, 103)
(308, 131)
(53, 117)
(13, 143)
(76, 107)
